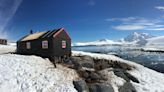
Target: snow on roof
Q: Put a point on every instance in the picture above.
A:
(33, 36)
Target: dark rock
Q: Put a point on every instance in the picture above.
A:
(83, 61)
(131, 77)
(95, 76)
(125, 75)
(101, 64)
(93, 88)
(81, 86)
(76, 63)
(127, 87)
(121, 73)
(87, 58)
(83, 73)
(100, 88)
(87, 65)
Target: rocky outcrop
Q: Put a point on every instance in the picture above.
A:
(100, 88)
(127, 87)
(93, 80)
(81, 86)
(125, 75)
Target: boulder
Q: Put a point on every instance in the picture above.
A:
(83, 61)
(131, 77)
(88, 65)
(95, 77)
(125, 75)
(81, 86)
(127, 87)
(100, 88)
(121, 73)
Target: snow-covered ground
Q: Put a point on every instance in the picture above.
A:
(150, 80)
(7, 48)
(20, 73)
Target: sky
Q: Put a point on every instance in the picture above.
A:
(84, 20)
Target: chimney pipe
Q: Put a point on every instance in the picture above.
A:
(31, 31)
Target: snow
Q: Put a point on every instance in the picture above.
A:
(7, 48)
(150, 80)
(20, 73)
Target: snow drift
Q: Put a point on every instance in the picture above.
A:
(20, 73)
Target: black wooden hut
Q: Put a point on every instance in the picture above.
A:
(54, 43)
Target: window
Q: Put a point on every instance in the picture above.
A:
(45, 44)
(28, 45)
(63, 44)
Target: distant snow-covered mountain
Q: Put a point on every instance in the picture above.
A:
(137, 38)
(98, 43)
(134, 39)
(155, 42)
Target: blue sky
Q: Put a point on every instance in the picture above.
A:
(85, 20)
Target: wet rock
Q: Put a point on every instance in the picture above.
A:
(127, 87)
(81, 86)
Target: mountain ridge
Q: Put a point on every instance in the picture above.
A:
(133, 39)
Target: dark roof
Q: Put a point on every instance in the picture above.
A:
(40, 35)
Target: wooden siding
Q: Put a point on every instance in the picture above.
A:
(54, 46)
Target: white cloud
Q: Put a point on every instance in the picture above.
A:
(157, 29)
(160, 7)
(129, 27)
(137, 23)
(121, 19)
(7, 11)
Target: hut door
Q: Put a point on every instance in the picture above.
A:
(63, 44)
